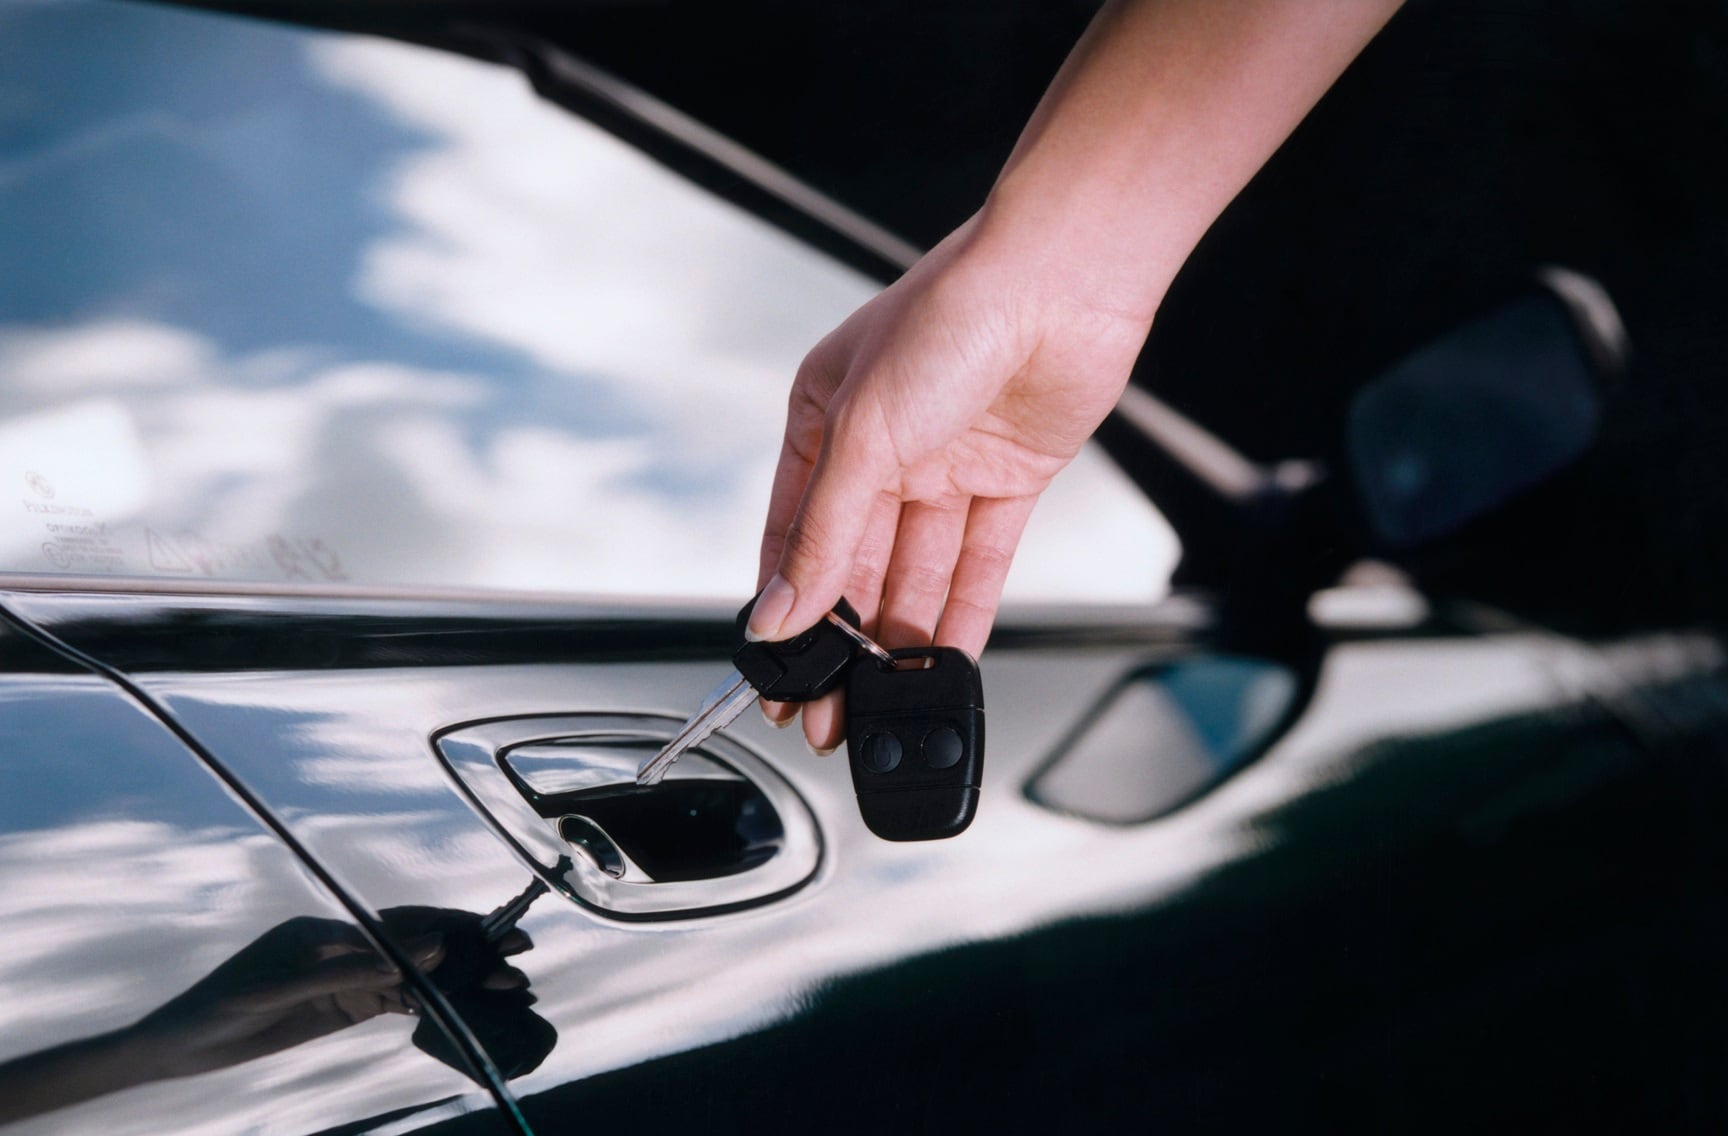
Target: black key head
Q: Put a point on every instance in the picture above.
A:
(801, 668)
(915, 741)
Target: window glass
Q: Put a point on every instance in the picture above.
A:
(292, 306)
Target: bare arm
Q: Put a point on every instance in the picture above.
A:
(921, 431)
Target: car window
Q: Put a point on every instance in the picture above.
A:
(301, 307)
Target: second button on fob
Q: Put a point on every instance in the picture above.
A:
(915, 741)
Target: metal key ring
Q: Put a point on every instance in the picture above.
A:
(863, 641)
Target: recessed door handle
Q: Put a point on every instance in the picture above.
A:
(723, 831)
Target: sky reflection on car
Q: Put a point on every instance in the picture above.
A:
(335, 310)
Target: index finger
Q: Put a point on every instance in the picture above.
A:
(821, 544)
(819, 377)
(791, 475)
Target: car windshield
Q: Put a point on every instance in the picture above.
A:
(309, 308)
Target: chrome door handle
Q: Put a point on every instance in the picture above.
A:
(723, 831)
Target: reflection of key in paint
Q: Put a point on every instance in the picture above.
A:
(502, 918)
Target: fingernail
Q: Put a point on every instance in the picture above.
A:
(781, 716)
(819, 752)
(772, 608)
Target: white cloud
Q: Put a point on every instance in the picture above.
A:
(184, 901)
(531, 228)
(534, 229)
(114, 355)
(521, 226)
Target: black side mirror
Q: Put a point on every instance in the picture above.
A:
(1485, 413)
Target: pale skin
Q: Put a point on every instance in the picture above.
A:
(921, 431)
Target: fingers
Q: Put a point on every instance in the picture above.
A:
(825, 719)
(819, 375)
(993, 528)
(822, 541)
(791, 475)
(779, 714)
(825, 723)
(893, 530)
(929, 542)
(864, 592)
(943, 584)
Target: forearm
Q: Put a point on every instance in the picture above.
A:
(921, 431)
(78, 1071)
(1161, 114)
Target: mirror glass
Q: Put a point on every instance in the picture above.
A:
(1471, 420)
(1165, 735)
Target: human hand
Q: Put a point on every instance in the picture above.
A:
(919, 435)
(921, 432)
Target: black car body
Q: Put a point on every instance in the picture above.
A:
(1274, 849)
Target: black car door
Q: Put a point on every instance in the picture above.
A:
(354, 470)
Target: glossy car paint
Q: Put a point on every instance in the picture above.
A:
(169, 962)
(1477, 883)
(1451, 847)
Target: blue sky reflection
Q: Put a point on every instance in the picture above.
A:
(291, 306)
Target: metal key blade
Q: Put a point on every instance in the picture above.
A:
(723, 704)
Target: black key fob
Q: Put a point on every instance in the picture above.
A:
(915, 741)
(799, 669)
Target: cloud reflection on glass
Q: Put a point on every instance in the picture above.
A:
(374, 314)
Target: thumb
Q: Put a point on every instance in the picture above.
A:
(822, 540)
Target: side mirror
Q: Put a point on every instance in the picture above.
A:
(1169, 733)
(1487, 412)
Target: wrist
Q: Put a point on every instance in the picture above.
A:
(1108, 257)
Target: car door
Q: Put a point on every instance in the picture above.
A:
(219, 404)
(362, 441)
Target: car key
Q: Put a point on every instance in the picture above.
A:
(915, 742)
(799, 669)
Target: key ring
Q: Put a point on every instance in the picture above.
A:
(864, 641)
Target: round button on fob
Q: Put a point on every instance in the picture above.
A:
(943, 749)
(880, 753)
